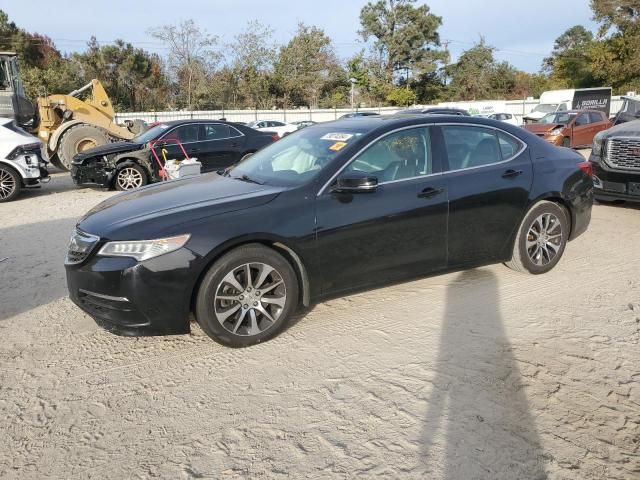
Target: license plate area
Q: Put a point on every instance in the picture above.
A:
(634, 188)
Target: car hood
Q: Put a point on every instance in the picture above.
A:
(542, 127)
(108, 149)
(627, 129)
(141, 213)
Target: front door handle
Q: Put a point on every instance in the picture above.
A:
(512, 173)
(430, 192)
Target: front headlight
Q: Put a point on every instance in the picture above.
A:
(555, 131)
(144, 249)
(598, 142)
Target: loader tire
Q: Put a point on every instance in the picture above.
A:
(78, 139)
(55, 161)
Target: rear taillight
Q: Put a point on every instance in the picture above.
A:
(586, 167)
(275, 137)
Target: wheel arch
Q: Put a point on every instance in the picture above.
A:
(557, 198)
(277, 244)
(19, 171)
(128, 160)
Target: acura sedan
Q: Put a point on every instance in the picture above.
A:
(333, 208)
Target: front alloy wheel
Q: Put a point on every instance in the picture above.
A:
(247, 296)
(250, 298)
(10, 184)
(130, 177)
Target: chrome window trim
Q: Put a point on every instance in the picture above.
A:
(523, 144)
(203, 123)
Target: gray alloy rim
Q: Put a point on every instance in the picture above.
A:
(544, 239)
(250, 299)
(7, 184)
(129, 178)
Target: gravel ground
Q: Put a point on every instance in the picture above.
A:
(484, 374)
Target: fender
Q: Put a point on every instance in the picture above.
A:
(17, 168)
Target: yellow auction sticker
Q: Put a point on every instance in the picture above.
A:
(338, 146)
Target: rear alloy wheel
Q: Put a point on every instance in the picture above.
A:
(10, 184)
(130, 177)
(247, 296)
(541, 239)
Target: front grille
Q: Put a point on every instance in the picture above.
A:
(623, 153)
(80, 246)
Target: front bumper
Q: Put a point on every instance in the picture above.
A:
(128, 297)
(92, 172)
(610, 184)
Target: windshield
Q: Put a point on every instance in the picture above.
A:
(562, 118)
(546, 107)
(297, 158)
(151, 134)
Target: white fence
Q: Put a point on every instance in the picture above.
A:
(516, 107)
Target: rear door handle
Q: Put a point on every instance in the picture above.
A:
(430, 192)
(512, 173)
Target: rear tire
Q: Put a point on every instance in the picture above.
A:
(78, 139)
(541, 239)
(240, 313)
(10, 183)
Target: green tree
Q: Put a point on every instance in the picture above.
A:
(254, 53)
(570, 62)
(304, 67)
(615, 56)
(405, 36)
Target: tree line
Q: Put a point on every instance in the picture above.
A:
(403, 61)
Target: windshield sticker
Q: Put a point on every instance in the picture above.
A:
(337, 137)
(336, 147)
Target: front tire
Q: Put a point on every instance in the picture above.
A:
(247, 297)
(10, 183)
(78, 139)
(130, 177)
(541, 239)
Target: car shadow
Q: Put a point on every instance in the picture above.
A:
(478, 423)
(32, 265)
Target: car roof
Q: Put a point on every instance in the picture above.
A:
(388, 122)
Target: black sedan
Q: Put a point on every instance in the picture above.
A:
(329, 209)
(130, 164)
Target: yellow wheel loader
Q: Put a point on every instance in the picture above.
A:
(67, 124)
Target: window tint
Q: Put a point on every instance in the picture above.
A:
(216, 131)
(582, 119)
(469, 147)
(596, 117)
(276, 124)
(403, 154)
(185, 133)
(509, 146)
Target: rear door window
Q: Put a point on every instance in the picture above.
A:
(469, 147)
(216, 131)
(583, 119)
(596, 117)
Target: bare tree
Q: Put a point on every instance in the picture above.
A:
(192, 55)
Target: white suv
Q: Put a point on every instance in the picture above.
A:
(22, 163)
(280, 128)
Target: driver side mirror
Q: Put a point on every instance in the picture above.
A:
(355, 182)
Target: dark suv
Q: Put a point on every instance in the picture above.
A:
(615, 157)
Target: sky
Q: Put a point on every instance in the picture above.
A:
(523, 32)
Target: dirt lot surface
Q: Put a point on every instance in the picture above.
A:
(484, 374)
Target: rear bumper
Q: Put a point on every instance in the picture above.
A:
(610, 184)
(131, 298)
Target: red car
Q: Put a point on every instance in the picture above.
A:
(572, 128)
